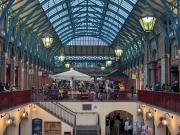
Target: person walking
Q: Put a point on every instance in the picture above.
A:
(132, 91)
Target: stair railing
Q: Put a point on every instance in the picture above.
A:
(99, 126)
(59, 111)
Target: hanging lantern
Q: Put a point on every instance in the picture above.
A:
(102, 68)
(61, 58)
(147, 20)
(118, 51)
(67, 65)
(47, 40)
(108, 63)
(149, 115)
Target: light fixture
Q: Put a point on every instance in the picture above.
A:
(61, 57)
(140, 110)
(67, 65)
(47, 40)
(24, 114)
(118, 51)
(108, 63)
(149, 114)
(34, 108)
(102, 68)
(9, 120)
(164, 119)
(147, 20)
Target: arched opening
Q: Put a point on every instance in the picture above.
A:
(119, 122)
(9, 130)
(21, 127)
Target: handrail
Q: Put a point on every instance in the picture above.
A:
(60, 112)
(167, 100)
(99, 126)
(14, 98)
(51, 100)
(69, 111)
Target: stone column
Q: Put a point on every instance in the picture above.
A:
(36, 76)
(168, 66)
(27, 75)
(179, 66)
(145, 75)
(20, 75)
(4, 68)
(13, 67)
(31, 73)
(163, 71)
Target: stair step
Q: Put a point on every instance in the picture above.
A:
(86, 133)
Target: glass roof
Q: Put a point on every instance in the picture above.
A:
(102, 19)
(87, 41)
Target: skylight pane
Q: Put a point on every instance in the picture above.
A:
(87, 17)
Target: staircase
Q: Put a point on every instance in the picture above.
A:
(78, 121)
(86, 130)
(59, 111)
(87, 123)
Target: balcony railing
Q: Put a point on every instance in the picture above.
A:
(15, 98)
(167, 100)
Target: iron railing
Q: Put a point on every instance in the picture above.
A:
(61, 112)
(14, 98)
(167, 100)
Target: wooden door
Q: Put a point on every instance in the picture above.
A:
(52, 128)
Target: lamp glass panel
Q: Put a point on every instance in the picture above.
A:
(147, 23)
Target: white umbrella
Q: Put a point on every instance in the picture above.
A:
(72, 75)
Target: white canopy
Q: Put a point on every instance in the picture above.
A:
(72, 75)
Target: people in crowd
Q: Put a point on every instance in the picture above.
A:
(117, 124)
(13, 88)
(132, 91)
(157, 86)
(175, 86)
(147, 87)
(148, 131)
(2, 87)
(54, 91)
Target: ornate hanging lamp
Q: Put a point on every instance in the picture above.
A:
(67, 65)
(108, 63)
(147, 20)
(62, 58)
(103, 68)
(47, 38)
(118, 51)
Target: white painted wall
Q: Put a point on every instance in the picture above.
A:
(90, 118)
(103, 108)
(26, 125)
(45, 116)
